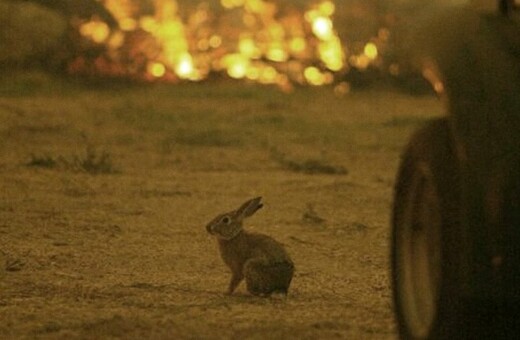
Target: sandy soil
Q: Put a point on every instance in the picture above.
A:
(114, 246)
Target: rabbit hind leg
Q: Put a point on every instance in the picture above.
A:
(256, 276)
(264, 278)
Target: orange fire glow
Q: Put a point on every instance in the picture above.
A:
(268, 45)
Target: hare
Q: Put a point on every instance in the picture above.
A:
(258, 258)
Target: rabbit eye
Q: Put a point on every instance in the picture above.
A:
(226, 220)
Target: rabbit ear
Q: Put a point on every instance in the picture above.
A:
(248, 208)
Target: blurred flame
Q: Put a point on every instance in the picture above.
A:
(232, 3)
(156, 69)
(270, 48)
(248, 48)
(330, 49)
(430, 73)
(215, 41)
(322, 27)
(236, 65)
(298, 45)
(327, 8)
(316, 77)
(370, 51)
(185, 68)
(96, 30)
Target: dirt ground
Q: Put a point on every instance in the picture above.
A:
(106, 190)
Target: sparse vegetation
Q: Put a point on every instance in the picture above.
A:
(94, 163)
(14, 265)
(91, 162)
(308, 166)
(310, 216)
(11, 263)
(42, 161)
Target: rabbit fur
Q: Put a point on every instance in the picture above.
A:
(259, 259)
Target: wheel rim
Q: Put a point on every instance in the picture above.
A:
(418, 254)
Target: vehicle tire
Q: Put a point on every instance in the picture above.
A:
(426, 237)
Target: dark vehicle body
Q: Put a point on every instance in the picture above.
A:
(456, 218)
